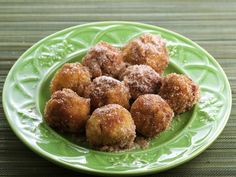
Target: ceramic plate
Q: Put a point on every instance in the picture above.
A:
(27, 89)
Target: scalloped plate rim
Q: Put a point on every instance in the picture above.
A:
(136, 172)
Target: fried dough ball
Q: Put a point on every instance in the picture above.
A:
(141, 79)
(104, 59)
(67, 112)
(180, 92)
(151, 114)
(107, 90)
(73, 76)
(147, 49)
(111, 126)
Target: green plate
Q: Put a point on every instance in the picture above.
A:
(27, 89)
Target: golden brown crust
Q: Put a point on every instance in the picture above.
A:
(110, 126)
(107, 90)
(147, 49)
(104, 59)
(141, 79)
(67, 112)
(180, 92)
(73, 76)
(151, 114)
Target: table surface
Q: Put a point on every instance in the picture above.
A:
(211, 24)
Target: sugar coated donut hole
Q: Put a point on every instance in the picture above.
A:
(73, 76)
(151, 114)
(67, 112)
(147, 49)
(141, 79)
(107, 90)
(104, 59)
(180, 92)
(110, 126)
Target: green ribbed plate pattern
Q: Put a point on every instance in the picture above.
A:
(26, 91)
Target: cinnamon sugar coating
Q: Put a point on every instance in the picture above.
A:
(147, 49)
(141, 79)
(180, 92)
(73, 76)
(67, 112)
(151, 114)
(107, 90)
(104, 59)
(110, 126)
